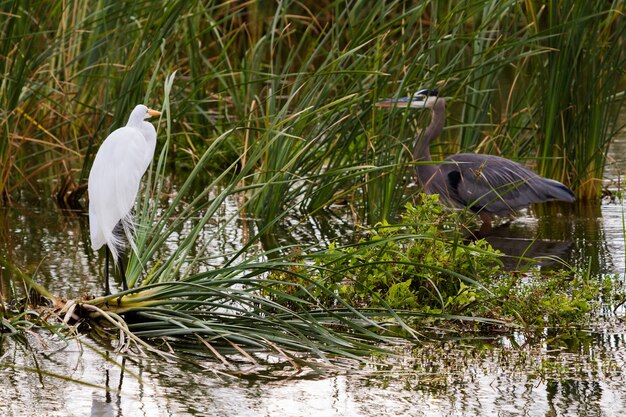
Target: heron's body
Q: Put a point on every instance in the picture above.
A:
(114, 181)
(485, 184)
(489, 184)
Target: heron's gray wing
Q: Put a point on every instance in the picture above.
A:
(498, 185)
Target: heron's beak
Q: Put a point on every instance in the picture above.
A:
(154, 112)
(400, 102)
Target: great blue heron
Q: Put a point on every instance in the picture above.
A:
(486, 184)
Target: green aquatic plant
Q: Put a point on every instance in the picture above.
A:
(563, 298)
(293, 86)
(424, 265)
(420, 265)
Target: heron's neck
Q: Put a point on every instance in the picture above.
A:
(421, 151)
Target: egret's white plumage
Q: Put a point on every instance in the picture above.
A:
(114, 180)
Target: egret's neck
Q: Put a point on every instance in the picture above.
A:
(146, 128)
(136, 118)
(148, 131)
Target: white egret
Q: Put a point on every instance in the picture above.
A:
(114, 180)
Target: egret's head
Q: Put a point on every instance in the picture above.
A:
(420, 100)
(140, 113)
(146, 112)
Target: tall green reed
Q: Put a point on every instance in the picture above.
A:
(577, 97)
(294, 86)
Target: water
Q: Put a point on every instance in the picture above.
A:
(450, 380)
(580, 372)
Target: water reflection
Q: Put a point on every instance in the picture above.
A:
(524, 247)
(586, 235)
(551, 374)
(538, 378)
(5, 245)
(52, 244)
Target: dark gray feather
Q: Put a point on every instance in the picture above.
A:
(497, 185)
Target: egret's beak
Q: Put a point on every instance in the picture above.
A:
(154, 112)
(415, 101)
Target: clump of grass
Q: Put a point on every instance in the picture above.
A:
(420, 264)
(423, 267)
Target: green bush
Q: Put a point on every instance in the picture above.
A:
(422, 266)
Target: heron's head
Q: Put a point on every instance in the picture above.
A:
(423, 99)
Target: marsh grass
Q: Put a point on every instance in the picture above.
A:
(254, 299)
(271, 106)
(579, 90)
(298, 82)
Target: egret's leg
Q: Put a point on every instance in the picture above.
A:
(124, 282)
(107, 289)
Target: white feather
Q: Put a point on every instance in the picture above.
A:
(115, 178)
